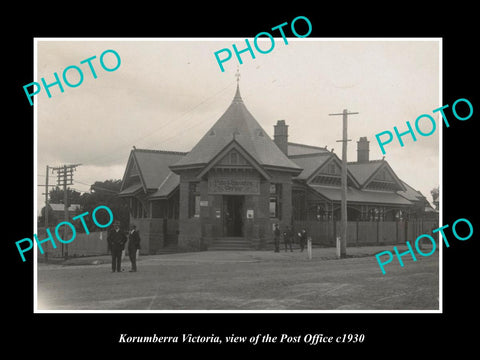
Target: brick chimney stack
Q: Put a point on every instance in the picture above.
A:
(280, 136)
(363, 149)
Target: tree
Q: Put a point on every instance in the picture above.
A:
(56, 196)
(435, 194)
(105, 193)
(101, 193)
(52, 219)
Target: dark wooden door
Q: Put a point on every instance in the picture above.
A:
(233, 215)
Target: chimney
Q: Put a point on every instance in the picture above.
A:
(280, 136)
(363, 149)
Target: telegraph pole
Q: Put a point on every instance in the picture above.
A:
(46, 206)
(342, 247)
(65, 177)
(46, 197)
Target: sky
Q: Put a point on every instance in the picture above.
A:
(167, 93)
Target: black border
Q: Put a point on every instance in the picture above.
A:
(65, 334)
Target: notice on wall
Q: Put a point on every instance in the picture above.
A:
(234, 184)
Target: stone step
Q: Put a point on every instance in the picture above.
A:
(230, 243)
(171, 249)
(229, 247)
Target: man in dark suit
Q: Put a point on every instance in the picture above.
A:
(303, 239)
(133, 246)
(287, 238)
(116, 240)
(276, 238)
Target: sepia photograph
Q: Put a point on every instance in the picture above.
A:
(166, 182)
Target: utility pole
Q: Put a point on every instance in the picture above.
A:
(46, 206)
(342, 247)
(65, 177)
(46, 197)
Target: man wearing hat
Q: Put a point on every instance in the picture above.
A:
(116, 240)
(133, 246)
(276, 238)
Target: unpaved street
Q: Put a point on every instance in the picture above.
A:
(249, 280)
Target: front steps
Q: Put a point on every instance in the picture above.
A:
(231, 243)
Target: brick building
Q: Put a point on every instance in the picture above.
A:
(237, 182)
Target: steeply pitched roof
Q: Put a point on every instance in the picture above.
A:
(167, 186)
(153, 169)
(363, 171)
(154, 165)
(239, 124)
(310, 163)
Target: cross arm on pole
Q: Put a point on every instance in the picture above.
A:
(344, 113)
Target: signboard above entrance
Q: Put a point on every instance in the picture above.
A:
(234, 184)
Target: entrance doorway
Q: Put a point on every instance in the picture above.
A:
(232, 215)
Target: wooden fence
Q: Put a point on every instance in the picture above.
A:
(94, 243)
(324, 233)
(155, 234)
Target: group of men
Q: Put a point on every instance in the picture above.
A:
(117, 239)
(288, 238)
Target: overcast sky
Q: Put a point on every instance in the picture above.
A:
(168, 92)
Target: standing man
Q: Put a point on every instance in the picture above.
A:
(287, 238)
(116, 240)
(133, 246)
(303, 239)
(276, 238)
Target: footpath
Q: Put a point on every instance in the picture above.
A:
(232, 256)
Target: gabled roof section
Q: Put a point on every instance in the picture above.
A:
(365, 172)
(310, 163)
(153, 169)
(234, 145)
(238, 124)
(166, 188)
(314, 164)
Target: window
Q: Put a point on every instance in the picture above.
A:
(275, 201)
(194, 200)
(137, 209)
(273, 207)
(376, 214)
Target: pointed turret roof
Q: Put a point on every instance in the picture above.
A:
(237, 124)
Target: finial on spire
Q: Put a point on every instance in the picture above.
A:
(237, 75)
(237, 97)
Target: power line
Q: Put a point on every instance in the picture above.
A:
(150, 133)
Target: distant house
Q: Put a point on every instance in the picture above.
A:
(59, 212)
